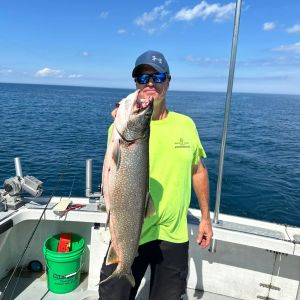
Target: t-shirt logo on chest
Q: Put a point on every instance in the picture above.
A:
(182, 144)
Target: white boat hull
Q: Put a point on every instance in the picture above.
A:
(253, 259)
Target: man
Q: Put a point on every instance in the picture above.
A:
(176, 161)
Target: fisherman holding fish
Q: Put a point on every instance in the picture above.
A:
(147, 182)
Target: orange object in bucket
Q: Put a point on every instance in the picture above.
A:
(64, 242)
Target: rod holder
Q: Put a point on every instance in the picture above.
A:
(88, 177)
(88, 181)
(18, 167)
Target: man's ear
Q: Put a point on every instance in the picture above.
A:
(114, 113)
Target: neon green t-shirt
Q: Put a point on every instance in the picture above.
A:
(174, 147)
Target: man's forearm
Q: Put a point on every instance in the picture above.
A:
(201, 188)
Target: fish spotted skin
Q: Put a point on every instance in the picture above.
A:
(125, 179)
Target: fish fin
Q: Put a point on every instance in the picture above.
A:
(130, 279)
(107, 220)
(117, 154)
(150, 208)
(104, 280)
(112, 257)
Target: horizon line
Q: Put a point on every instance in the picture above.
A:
(170, 90)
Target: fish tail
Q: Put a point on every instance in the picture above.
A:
(129, 277)
(104, 280)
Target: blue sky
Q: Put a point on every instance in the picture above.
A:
(95, 43)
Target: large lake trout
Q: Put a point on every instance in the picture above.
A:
(125, 182)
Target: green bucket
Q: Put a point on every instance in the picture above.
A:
(63, 268)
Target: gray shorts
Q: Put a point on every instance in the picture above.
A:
(169, 268)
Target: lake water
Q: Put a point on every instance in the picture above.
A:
(54, 129)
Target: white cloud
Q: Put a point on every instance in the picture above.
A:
(204, 10)
(294, 48)
(158, 12)
(72, 76)
(206, 61)
(294, 29)
(5, 71)
(272, 62)
(46, 72)
(122, 31)
(151, 30)
(103, 15)
(276, 62)
(269, 26)
(85, 53)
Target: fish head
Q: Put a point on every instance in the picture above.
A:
(133, 117)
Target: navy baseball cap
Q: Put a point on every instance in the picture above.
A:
(154, 59)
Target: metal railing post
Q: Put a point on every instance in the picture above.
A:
(227, 112)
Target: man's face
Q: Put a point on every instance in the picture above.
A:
(152, 89)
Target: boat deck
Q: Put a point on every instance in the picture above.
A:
(34, 286)
(253, 259)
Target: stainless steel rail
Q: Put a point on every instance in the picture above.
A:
(227, 112)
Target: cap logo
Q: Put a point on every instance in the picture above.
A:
(154, 58)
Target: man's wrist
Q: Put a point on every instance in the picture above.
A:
(206, 217)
